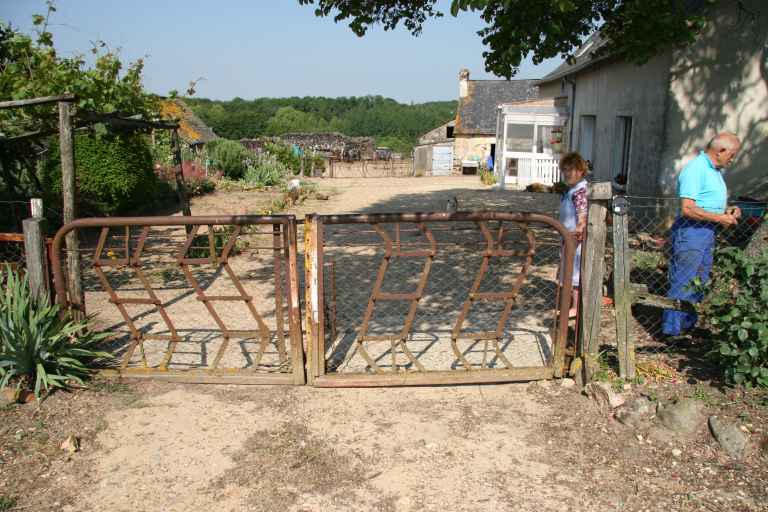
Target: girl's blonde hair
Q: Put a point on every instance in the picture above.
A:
(573, 160)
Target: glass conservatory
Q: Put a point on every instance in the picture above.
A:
(530, 139)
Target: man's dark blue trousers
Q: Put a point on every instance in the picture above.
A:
(692, 246)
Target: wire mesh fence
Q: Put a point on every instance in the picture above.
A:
(12, 250)
(12, 213)
(440, 296)
(650, 239)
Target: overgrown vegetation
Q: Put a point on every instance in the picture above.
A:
(735, 312)
(229, 156)
(265, 174)
(41, 349)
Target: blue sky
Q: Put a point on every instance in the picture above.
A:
(253, 48)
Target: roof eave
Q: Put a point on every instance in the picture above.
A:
(572, 71)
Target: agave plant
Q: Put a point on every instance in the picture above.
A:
(40, 345)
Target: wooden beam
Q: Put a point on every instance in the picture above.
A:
(641, 295)
(29, 135)
(69, 193)
(432, 378)
(11, 237)
(592, 271)
(622, 295)
(181, 187)
(38, 101)
(128, 123)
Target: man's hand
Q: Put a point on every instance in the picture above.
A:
(727, 220)
(734, 211)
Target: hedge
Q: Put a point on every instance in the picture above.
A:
(114, 174)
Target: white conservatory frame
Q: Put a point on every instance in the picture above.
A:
(532, 166)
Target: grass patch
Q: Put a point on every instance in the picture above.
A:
(702, 395)
(7, 503)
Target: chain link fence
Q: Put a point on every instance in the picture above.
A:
(12, 213)
(650, 221)
(12, 250)
(439, 301)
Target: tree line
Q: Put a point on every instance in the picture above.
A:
(393, 124)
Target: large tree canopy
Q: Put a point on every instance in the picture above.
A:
(634, 29)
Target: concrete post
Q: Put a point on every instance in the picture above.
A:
(34, 248)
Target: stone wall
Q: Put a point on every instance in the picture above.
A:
(328, 145)
(370, 169)
(439, 134)
(471, 147)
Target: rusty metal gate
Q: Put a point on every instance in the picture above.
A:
(195, 299)
(436, 298)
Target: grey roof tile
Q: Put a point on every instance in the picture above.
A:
(477, 111)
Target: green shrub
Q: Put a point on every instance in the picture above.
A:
(40, 348)
(265, 174)
(229, 156)
(114, 173)
(285, 155)
(735, 312)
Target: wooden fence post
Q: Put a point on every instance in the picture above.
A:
(34, 255)
(622, 293)
(592, 272)
(69, 193)
(315, 318)
(181, 188)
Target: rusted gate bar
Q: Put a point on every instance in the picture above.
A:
(290, 368)
(319, 375)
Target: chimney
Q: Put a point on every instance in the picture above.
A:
(463, 83)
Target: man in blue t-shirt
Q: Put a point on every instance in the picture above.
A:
(703, 207)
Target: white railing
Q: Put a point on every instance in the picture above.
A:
(535, 169)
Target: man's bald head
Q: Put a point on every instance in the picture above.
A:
(722, 149)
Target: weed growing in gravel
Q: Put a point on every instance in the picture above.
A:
(702, 395)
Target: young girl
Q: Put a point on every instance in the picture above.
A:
(573, 213)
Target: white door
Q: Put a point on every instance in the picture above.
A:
(442, 160)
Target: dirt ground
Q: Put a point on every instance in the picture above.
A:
(515, 447)
(380, 195)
